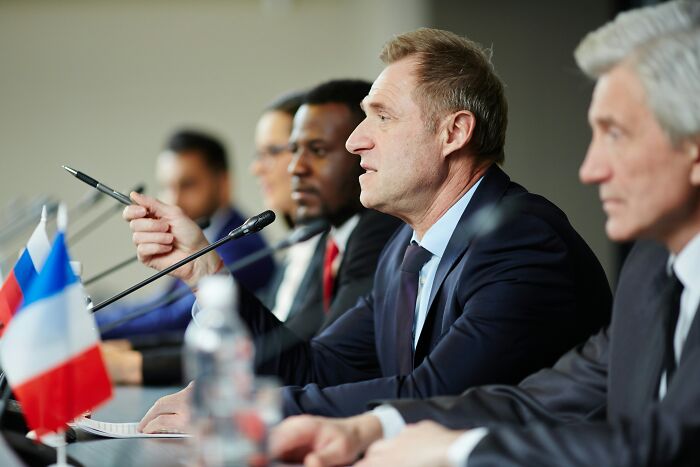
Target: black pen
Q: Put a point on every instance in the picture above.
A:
(122, 198)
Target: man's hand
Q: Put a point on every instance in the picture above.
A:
(422, 444)
(164, 235)
(124, 365)
(170, 414)
(319, 441)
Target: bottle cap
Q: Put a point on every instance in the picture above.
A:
(217, 292)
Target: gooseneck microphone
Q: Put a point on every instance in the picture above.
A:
(300, 234)
(100, 219)
(254, 224)
(202, 223)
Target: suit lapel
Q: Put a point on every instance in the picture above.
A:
(309, 292)
(491, 189)
(692, 342)
(644, 382)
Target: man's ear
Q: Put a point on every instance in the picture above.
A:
(457, 131)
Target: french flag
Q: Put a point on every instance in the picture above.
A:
(50, 350)
(24, 272)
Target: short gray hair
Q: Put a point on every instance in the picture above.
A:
(669, 69)
(610, 44)
(661, 45)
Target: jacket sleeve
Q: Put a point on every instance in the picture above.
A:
(344, 352)
(667, 434)
(572, 391)
(165, 316)
(520, 317)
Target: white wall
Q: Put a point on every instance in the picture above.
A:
(98, 85)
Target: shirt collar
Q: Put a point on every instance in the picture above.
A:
(686, 264)
(341, 234)
(438, 235)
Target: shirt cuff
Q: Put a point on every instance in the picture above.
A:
(391, 420)
(459, 451)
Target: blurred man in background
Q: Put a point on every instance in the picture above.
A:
(193, 173)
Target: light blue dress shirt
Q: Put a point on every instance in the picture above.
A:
(435, 241)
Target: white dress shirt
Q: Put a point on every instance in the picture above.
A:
(297, 263)
(298, 259)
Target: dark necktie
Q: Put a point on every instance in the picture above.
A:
(413, 260)
(672, 304)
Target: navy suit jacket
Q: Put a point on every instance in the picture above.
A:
(501, 307)
(599, 404)
(175, 316)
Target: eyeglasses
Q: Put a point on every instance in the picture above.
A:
(271, 151)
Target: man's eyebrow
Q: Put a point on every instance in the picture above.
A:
(376, 106)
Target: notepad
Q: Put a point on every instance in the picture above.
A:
(120, 430)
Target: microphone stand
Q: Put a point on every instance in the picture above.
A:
(202, 223)
(300, 235)
(253, 224)
(100, 219)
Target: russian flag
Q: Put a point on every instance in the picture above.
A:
(50, 351)
(24, 272)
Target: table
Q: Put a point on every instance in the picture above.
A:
(128, 405)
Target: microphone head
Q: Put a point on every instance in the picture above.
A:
(253, 224)
(259, 222)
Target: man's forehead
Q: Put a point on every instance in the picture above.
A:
(397, 80)
(313, 118)
(618, 94)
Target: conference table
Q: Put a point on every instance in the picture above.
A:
(128, 405)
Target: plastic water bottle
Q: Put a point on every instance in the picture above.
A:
(219, 358)
(77, 268)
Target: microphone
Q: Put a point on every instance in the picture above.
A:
(203, 223)
(89, 199)
(100, 219)
(253, 224)
(28, 221)
(299, 235)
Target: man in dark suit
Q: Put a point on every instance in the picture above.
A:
(430, 148)
(629, 396)
(324, 185)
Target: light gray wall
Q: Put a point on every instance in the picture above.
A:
(98, 85)
(548, 97)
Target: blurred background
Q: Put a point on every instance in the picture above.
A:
(99, 85)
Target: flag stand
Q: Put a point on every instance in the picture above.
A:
(58, 441)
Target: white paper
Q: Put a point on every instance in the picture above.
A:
(120, 430)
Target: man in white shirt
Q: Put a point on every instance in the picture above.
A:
(630, 395)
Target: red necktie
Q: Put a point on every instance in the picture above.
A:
(328, 274)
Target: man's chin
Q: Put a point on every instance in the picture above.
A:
(306, 214)
(618, 233)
